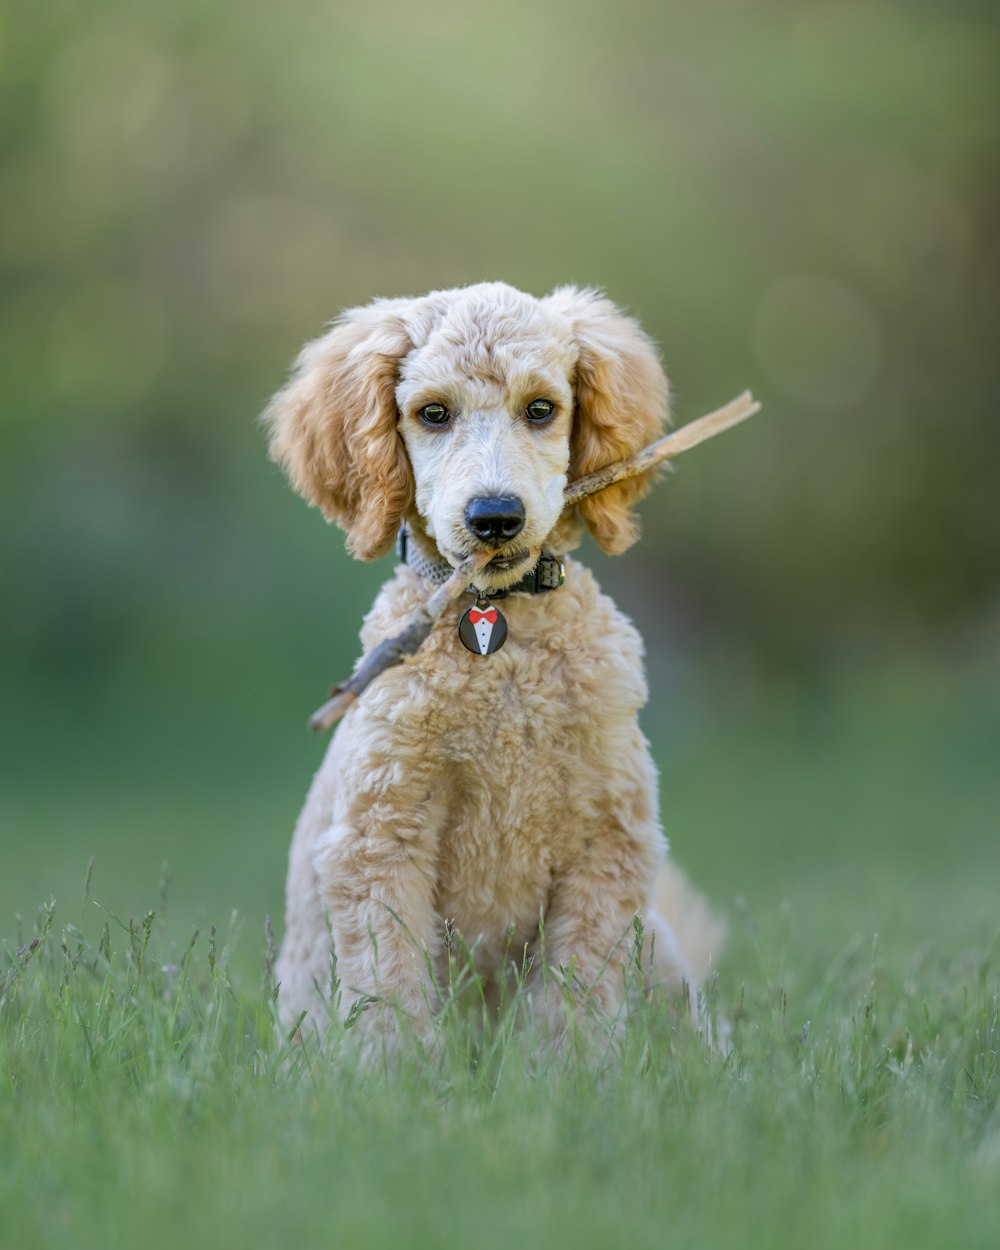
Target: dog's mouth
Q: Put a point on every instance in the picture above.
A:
(504, 563)
(501, 566)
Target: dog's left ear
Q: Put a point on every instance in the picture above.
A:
(333, 427)
(621, 406)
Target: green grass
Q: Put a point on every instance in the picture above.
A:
(146, 1100)
(851, 836)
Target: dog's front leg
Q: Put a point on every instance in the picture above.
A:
(377, 875)
(588, 930)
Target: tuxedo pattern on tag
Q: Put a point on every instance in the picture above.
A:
(483, 629)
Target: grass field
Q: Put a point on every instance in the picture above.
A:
(852, 837)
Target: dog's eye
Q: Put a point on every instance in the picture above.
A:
(434, 414)
(539, 410)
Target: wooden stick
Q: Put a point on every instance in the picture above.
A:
(394, 650)
(688, 436)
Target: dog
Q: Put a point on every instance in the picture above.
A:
(503, 793)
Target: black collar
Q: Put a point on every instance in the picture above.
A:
(548, 574)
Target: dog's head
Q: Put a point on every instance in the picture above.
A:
(465, 412)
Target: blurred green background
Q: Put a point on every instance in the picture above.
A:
(796, 197)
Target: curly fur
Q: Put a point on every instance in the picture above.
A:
(481, 793)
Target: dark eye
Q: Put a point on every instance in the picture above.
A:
(434, 414)
(539, 411)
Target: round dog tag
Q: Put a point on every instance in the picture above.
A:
(483, 629)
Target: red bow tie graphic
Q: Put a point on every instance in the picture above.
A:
(489, 615)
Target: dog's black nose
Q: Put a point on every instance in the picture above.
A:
(496, 518)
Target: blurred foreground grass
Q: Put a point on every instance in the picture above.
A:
(145, 1101)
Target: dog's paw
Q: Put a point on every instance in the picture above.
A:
(384, 1035)
(582, 1024)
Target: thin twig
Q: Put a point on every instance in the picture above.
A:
(688, 436)
(393, 651)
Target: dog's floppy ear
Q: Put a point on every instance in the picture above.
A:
(333, 426)
(621, 405)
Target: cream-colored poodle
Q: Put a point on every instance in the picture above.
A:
(504, 793)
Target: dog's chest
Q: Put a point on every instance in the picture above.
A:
(511, 824)
(516, 744)
(510, 728)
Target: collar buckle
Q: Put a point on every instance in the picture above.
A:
(549, 573)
